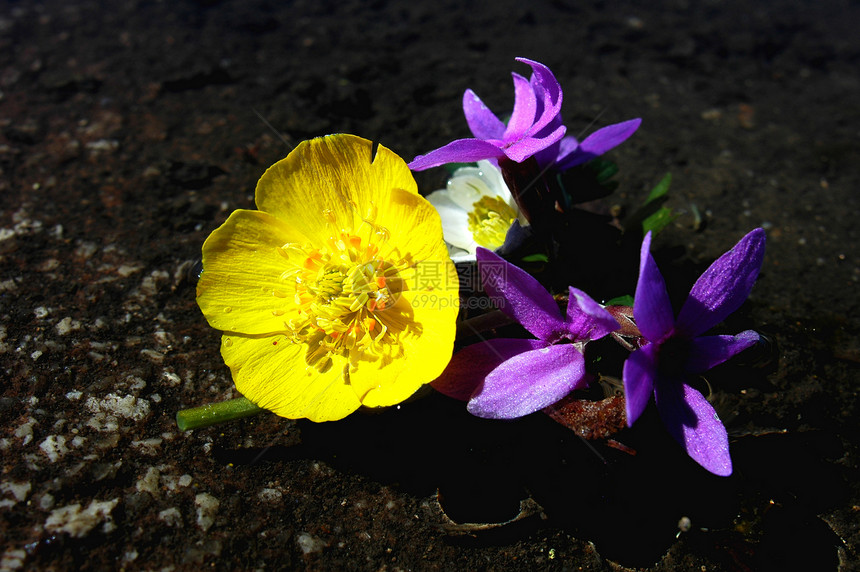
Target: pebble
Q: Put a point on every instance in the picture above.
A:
(149, 482)
(25, 431)
(18, 490)
(171, 516)
(270, 495)
(76, 522)
(67, 325)
(54, 446)
(13, 559)
(310, 544)
(130, 407)
(207, 508)
(149, 447)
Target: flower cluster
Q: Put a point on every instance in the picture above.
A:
(507, 378)
(486, 209)
(477, 208)
(341, 291)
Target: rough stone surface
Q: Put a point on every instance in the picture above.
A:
(129, 130)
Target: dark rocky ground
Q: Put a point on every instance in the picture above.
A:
(130, 131)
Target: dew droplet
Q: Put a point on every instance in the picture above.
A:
(228, 342)
(228, 309)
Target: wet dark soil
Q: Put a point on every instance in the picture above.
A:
(129, 130)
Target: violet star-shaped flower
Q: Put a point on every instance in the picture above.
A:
(509, 378)
(536, 103)
(677, 349)
(534, 129)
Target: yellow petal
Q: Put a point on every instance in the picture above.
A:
(426, 350)
(336, 174)
(413, 225)
(271, 372)
(429, 303)
(430, 308)
(240, 289)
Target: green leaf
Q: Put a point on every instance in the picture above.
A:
(604, 169)
(587, 182)
(451, 167)
(626, 300)
(537, 257)
(661, 189)
(652, 216)
(658, 221)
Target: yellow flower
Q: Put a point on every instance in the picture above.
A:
(338, 292)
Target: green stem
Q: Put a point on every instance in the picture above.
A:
(214, 413)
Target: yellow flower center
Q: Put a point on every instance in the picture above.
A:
(489, 221)
(345, 292)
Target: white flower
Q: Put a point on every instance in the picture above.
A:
(477, 209)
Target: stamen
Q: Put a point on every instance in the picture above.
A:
(339, 291)
(490, 220)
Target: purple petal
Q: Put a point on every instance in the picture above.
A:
(597, 144)
(459, 151)
(551, 91)
(529, 382)
(586, 319)
(640, 371)
(520, 296)
(521, 150)
(483, 122)
(568, 145)
(547, 156)
(723, 287)
(525, 104)
(609, 137)
(692, 421)
(469, 366)
(651, 306)
(709, 351)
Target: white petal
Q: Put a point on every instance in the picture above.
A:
(466, 187)
(492, 175)
(455, 221)
(458, 255)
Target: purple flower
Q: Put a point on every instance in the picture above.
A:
(536, 103)
(522, 376)
(534, 129)
(677, 349)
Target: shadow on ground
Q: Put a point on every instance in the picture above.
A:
(764, 516)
